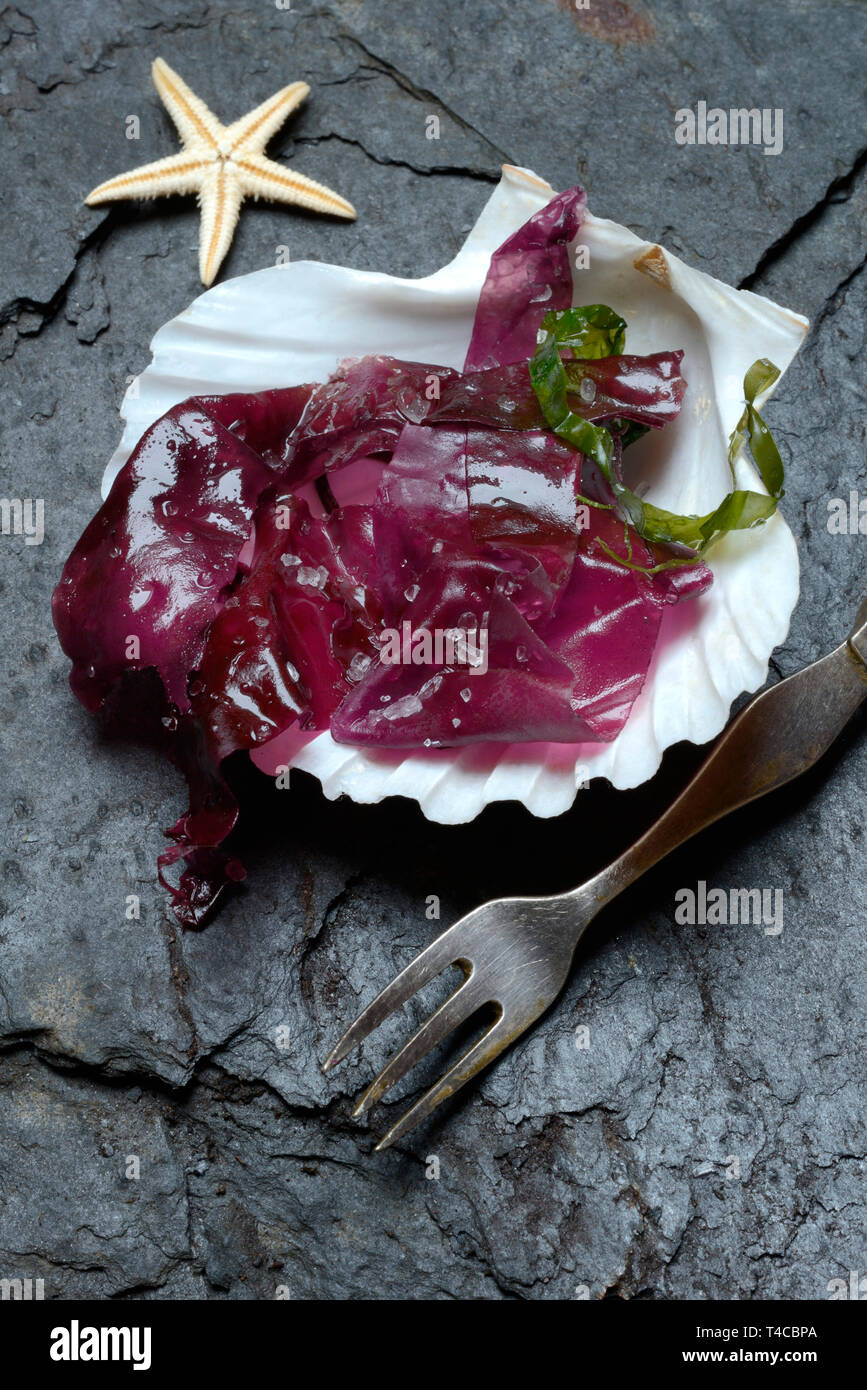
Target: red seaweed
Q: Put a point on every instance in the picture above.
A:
(474, 598)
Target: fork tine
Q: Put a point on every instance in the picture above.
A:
(434, 959)
(490, 1045)
(454, 1011)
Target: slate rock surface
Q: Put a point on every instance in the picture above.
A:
(165, 1130)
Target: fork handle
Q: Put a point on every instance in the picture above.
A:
(777, 736)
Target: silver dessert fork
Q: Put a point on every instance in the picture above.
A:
(516, 952)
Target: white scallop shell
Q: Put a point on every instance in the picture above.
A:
(287, 324)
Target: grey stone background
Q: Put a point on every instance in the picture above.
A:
(560, 1168)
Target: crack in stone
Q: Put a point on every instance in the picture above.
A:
(467, 1245)
(838, 191)
(422, 94)
(837, 295)
(181, 981)
(456, 170)
(46, 311)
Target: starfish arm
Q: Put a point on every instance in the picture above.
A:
(251, 133)
(220, 199)
(196, 124)
(179, 173)
(264, 178)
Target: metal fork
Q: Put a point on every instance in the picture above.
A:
(516, 953)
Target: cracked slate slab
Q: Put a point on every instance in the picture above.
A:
(567, 1169)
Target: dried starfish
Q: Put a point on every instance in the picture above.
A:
(222, 164)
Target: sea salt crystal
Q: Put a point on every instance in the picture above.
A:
(357, 667)
(402, 708)
(312, 578)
